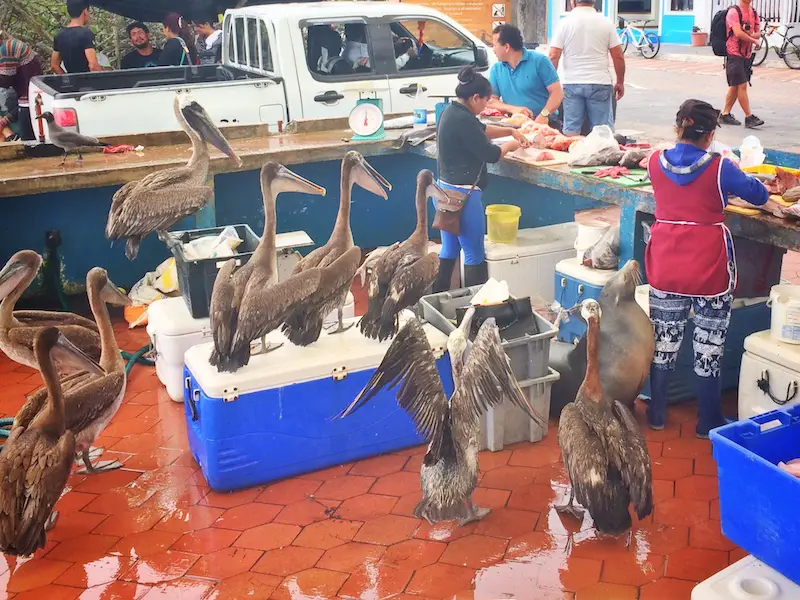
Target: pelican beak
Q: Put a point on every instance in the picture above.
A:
(198, 119)
(437, 193)
(366, 177)
(292, 182)
(466, 322)
(10, 277)
(111, 294)
(66, 352)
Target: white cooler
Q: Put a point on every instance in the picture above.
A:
(747, 579)
(770, 375)
(528, 265)
(172, 331)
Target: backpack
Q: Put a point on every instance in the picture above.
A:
(720, 32)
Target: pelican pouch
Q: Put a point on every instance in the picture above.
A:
(448, 214)
(514, 318)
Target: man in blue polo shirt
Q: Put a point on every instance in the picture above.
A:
(523, 81)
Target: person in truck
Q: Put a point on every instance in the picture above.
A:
(144, 54)
(74, 44)
(179, 49)
(18, 65)
(210, 51)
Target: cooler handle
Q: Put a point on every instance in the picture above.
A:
(764, 385)
(192, 398)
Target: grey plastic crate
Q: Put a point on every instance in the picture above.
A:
(507, 424)
(529, 355)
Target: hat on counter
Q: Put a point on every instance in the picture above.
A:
(698, 116)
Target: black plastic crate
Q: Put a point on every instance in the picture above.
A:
(196, 277)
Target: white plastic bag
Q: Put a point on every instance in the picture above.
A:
(599, 142)
(220, 246)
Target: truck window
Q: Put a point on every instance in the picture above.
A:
(241, 56)
(335, 49)
(252, 43)
(264, 49)
(427, 44)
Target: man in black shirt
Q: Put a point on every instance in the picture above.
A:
(74, 44)
(143, 53)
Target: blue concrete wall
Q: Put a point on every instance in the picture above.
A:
(677, 29)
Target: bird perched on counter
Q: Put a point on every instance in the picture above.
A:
(604, 452)
(451, 426)
(68, 141)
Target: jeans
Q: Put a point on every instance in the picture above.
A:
(587, 101)
(473, 229)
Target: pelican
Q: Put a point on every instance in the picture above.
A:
(36, 459)
(159, 200)
(451, 427)
(338, 259)
(249, 303)
(604, 452)
(403, 273)
(91, 397)
(18, 328)
(68, 140)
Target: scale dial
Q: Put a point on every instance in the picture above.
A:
(365, 119)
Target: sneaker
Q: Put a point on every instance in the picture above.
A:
(752, 122)
(729, 119)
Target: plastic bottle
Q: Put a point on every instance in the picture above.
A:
(420, 112)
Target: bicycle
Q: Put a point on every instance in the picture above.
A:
(647, 43)
(789, 50)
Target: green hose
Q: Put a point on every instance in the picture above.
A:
(137, 356)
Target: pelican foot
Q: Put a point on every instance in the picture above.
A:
(341, 328)
(570, 509)
(51, 521)
(476, 514)
(100, 467)
(94, 454)
(265, 347)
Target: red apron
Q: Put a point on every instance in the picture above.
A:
(689, 242)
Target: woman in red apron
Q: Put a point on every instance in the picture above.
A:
(690, 261)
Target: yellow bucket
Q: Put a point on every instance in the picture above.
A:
(502, 223)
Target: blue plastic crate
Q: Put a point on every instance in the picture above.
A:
(758, 501)
(274, 418)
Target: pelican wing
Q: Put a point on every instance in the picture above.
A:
(311, 260)
(487, 379)
(35, 402)
(87, 340)
(410, 359)
(85, 403)
(412, 280)
(117, 202)
(159, 209)
(221, 310)
(632, 459)
(46, 318)
(585, 460)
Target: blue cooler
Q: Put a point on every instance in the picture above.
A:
(574, 283)
(274, 418)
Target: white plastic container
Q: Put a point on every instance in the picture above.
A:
(172, 331)
(588, 234)
(527, 266)
(747, 579)
(769, 377)
(785, 303)
(751, 152)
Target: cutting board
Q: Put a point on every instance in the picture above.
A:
(632, 180)
(559, 158)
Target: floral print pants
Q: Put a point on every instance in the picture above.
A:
(670, 313)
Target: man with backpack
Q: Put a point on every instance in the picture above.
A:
(735, 31)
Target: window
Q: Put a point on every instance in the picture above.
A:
(338, 48)
(241, 55)
(264, 50)
(252, 43)
(231, 48)
(681, 5)
(426, 44)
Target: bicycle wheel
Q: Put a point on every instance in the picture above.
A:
(625, 38)
(792, 55)
(760, 55)
(650, 45)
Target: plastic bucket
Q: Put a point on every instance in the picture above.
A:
(502, 222)
(588, 234)
(784, 300)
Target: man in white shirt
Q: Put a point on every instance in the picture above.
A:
(585, 38)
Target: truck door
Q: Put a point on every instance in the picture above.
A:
(438, 51)
(338, 63)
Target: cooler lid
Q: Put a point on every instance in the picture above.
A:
(763, 345)
(296, 364)
(292, 239)
(171, 316)
(534, 242)
(571, 267)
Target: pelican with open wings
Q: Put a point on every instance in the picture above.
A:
(451, 426)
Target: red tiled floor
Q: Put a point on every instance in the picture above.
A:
(154, 530)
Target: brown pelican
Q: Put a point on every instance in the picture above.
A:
(91, 397)
(604, 452)
(338, 259)
(483, 378)
(403, 273)
(68, 140)
(249, 303)
(36, 459)
(159, 200)
(18, 328)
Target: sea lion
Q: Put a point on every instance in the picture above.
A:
(626, 342)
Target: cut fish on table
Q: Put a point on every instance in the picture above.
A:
(783, 181)
(562, 143)
(612, 172)
(492, 112)
(533, 155)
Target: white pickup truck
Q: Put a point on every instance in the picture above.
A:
(276, 67)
